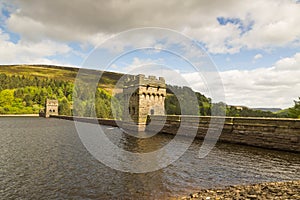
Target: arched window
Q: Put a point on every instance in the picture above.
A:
(157, 97)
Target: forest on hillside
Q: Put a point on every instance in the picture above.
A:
(26, 95)
(20, 94)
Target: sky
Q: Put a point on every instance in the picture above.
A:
(253, 46)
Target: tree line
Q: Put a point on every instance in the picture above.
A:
(201, 105)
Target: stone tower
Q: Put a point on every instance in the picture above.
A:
(143, 96)
(51, 107)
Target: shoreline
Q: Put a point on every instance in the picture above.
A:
(267, 190)
(20, 115)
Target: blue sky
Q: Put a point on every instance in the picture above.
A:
(255, 46)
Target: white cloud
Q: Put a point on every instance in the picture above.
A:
(30, 52)
(153, 67)
(217, 39)
(289, 64)
(138, 66)
(257, 56)
(276, 86)
(263, 24)
(274, 26)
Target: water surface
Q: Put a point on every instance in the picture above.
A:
(45, 159)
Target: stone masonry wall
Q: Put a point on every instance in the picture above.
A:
(143, 96)
(281, 134)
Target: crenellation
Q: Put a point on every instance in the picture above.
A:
(141, 79)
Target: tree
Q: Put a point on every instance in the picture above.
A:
(64, 107)
(219, 109)
(294, 112)
(172, 105)
(6, 97)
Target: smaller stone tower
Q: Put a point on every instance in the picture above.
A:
(51, 107)
(142, 97)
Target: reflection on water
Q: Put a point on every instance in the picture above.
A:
(44, 159)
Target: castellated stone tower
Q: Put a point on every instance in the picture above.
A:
(142, 97)
(51, 107)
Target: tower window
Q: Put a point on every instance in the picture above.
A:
(152, 111)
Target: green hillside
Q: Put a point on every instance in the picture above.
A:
(25, 88)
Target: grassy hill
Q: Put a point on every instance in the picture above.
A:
(108, 79)
(42, 71)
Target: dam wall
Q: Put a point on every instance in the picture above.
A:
(272, 133)
(107, 122)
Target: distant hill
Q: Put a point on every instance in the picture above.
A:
(41, 71)
(274, 110)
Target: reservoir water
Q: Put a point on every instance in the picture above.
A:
(45, 159)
